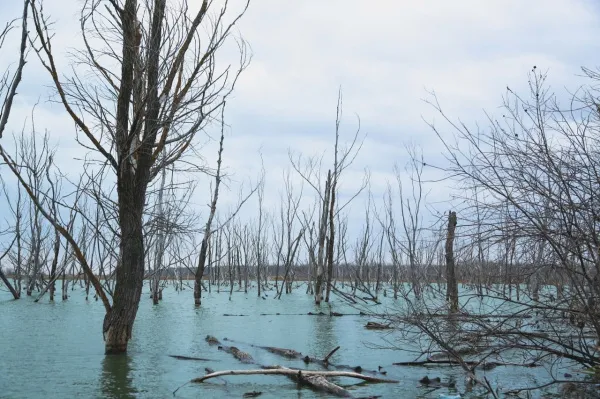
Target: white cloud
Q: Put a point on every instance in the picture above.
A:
(384, 54)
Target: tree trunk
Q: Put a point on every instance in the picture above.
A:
(331, 241)
(14, 293)
(64, 285)
(320, 270)
(451, 283)
(200, 273)
(54, 264)
(118, 322)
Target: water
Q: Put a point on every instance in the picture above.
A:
(56, 349)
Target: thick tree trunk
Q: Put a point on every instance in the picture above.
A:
(155, 290)
(451, 283)
(118, 322)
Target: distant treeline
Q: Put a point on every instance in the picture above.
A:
(493, 273)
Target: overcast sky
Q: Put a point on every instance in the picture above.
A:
(385, 55)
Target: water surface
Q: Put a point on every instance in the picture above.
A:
(56, 349)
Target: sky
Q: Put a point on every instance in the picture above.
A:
(386, 56)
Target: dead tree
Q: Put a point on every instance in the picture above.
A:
(327, 197)
(286, 237)
(10, 80)
(151, 110)
(6, 281)
(411, 211)
(451, 283)
(208, 228)
(260, 242)
(535, 171)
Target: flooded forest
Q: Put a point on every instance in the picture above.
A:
(134, 263)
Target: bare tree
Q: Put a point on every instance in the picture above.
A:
(288, 238)
(411, 211)
(535, 175)
(209, 221)
(10, 80)
(140, 119)
(6, 281)
(328, 208)
(451, 283)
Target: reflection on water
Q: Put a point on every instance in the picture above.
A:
(116, 379)
(324, 336)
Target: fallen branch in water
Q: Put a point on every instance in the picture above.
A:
(293, 354)
(313, 379)
(372, 325)
(449, 362)
(326, 358)
(190, 358)
(302, 374)
(236, 352)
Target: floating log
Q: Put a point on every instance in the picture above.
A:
(292, 354)
(449, 362)
(236, 352)
(212, 340)
(289, 353)
(190, 358)
(332, 314)
(314, 379)
(371, 325)
(436, 382)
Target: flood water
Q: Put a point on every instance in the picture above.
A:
(55, 350)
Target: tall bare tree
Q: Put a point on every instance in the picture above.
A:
(155, 87)
(451, 282)
(534, 172)
(9, 82)
(343, 158)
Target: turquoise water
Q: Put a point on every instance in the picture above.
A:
(55, 350)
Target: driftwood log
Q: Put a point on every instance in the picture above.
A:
(190, 358)
(236, 352)
(316, 380)
(372, 325)
(449, 362)
(293, 354)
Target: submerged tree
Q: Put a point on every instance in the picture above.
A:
(534, 173)
(343, 157)
(143, 87)
(9, 82)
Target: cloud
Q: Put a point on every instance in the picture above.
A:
(384, 54)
